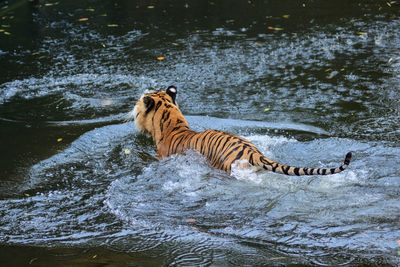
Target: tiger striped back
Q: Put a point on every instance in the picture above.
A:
(158, 115)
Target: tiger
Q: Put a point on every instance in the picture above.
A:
(157, 115)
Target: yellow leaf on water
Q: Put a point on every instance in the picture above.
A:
(327, 70)
(274, 28)
(27, 195)
(150, 7)
(267, 109)
(7, 33)
(49, 4)
(160, 58)
(112, 25)
(90, 9)
(286, 16)
(127, 151)
(59, 139)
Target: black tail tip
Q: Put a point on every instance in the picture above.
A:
(348, 158)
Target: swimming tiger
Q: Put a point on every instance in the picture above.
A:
(157, 114)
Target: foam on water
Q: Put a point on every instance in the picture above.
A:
(182, 202)
(242, 170)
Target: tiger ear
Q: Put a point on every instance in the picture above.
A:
(149, 103)
(171, 91)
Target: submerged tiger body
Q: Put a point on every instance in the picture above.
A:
(157, 114)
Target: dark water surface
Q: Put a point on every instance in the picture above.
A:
(306, 81)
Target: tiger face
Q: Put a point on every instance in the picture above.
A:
(147, 110)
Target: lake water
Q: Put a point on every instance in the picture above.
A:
(306, 81)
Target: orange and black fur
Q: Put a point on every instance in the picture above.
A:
(158, 114)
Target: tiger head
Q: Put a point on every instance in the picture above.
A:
(153, 110)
